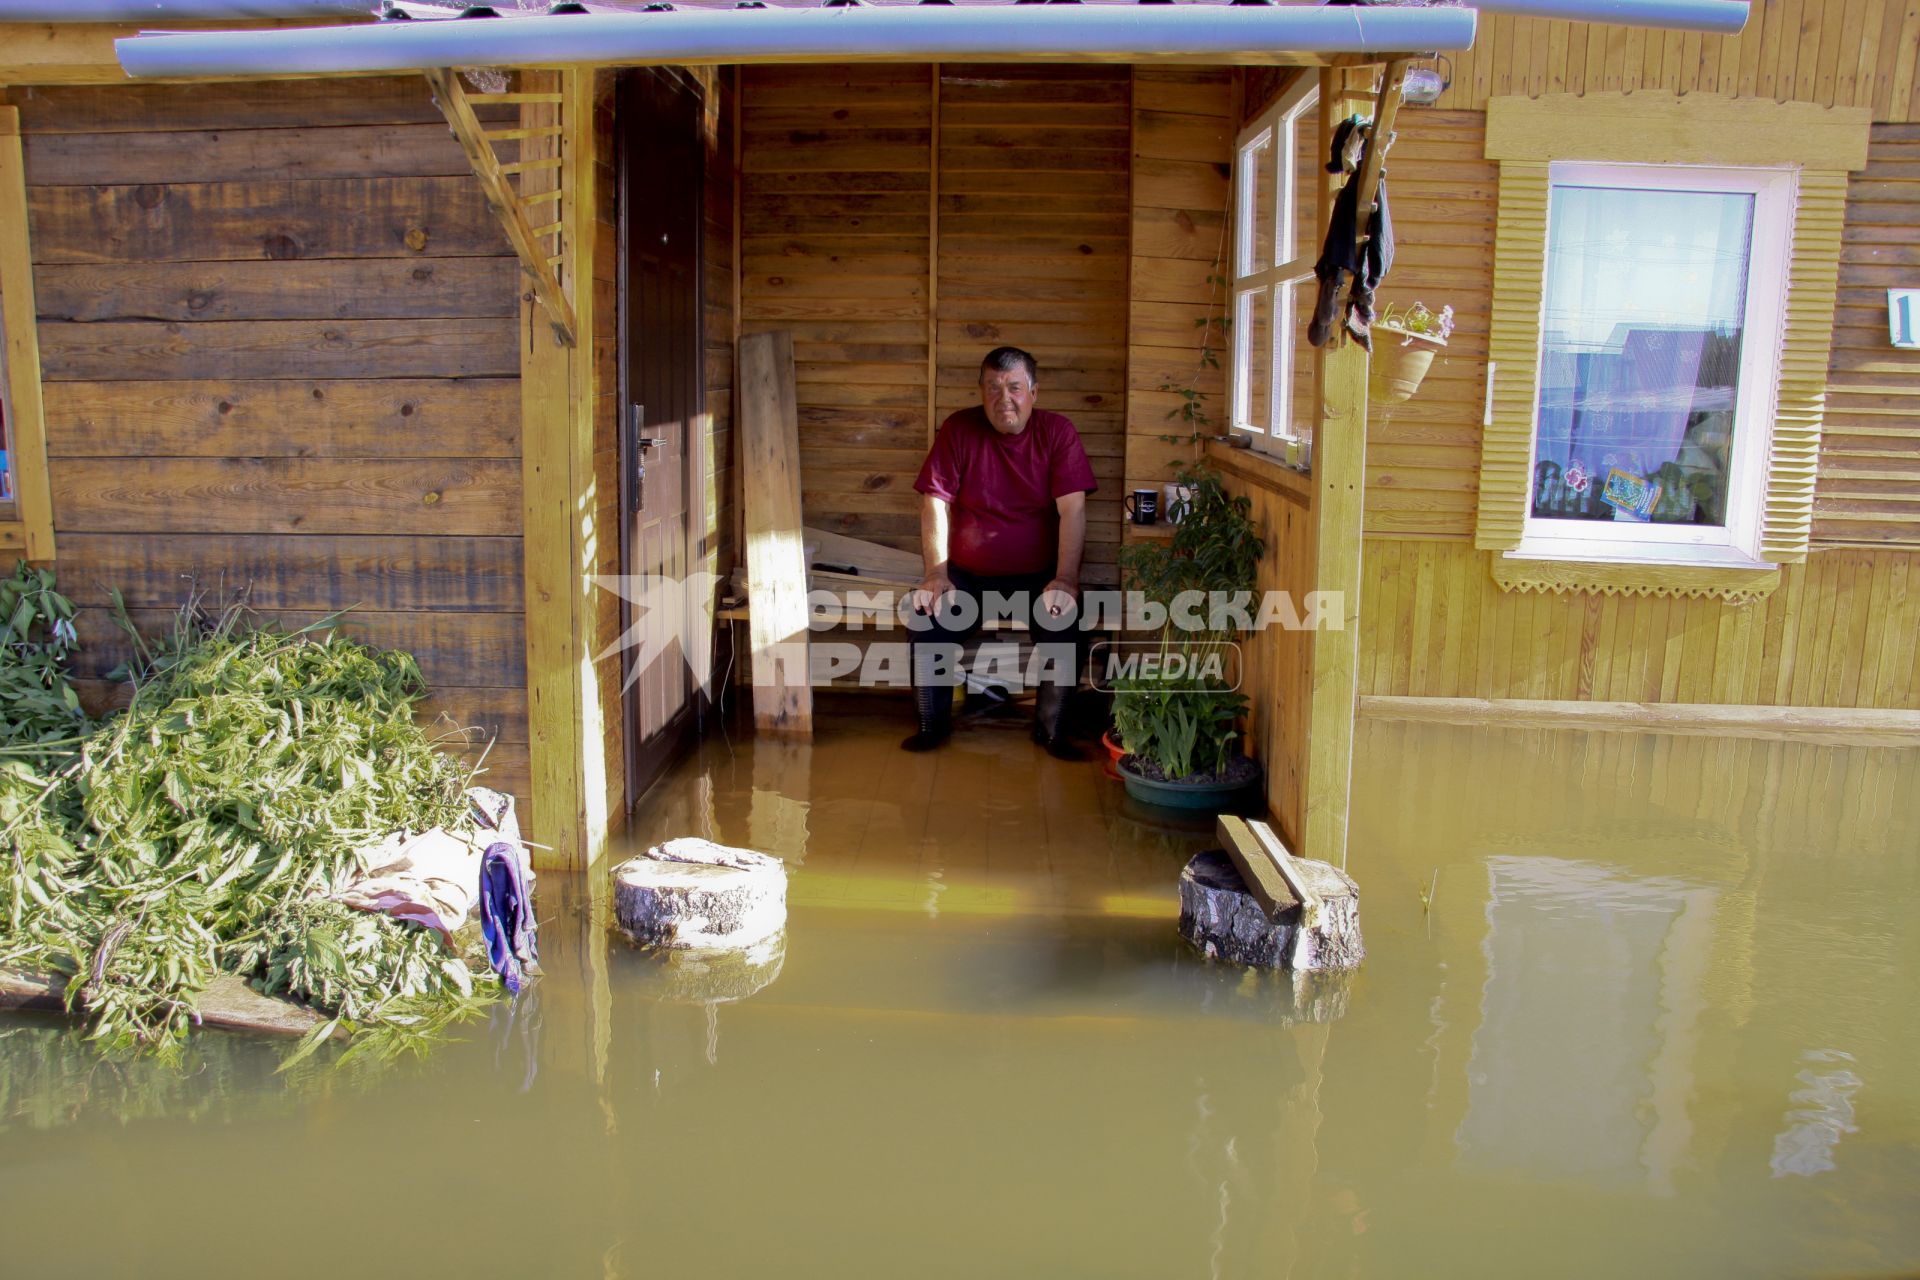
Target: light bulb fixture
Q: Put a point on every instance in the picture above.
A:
(1424, 85)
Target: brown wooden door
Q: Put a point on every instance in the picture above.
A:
(657, 118)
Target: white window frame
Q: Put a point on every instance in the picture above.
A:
(1252, 281)
(1769, 256)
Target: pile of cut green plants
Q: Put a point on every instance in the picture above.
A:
(207, 827)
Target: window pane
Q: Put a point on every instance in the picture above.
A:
(1640, 354)
(1303, 163)
(1302, 400)
(1255, 234)
(1253, 360)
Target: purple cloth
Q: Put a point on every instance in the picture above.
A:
(506, 915)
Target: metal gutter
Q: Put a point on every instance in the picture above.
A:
(867, 33)
(1709, 17)
(181, 10)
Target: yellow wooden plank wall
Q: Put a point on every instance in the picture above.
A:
(1869, 477)
(1278, 663)
(1819, 800)
(1423, 456)
(835, 240)
(901, 225)
(1032, 251)
(1839, 631)
(282, 355)
(1182, 180)
(1856, 53)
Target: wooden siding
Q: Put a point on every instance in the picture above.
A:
(836, 241)
(1854, 53)
(1277, 670)
(1031, 235)
(1423, 456)
(280, 355)
(1869, 474)
(1839, 631)
(901, 223)
(1182, 179)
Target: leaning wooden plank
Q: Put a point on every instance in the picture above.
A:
(228, 1003)
(776, 556)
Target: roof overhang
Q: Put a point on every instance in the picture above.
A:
(1252, 34)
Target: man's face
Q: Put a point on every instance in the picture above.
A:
(1007, 398)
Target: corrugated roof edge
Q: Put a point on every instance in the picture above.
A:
(1220, 33)
(66, 11)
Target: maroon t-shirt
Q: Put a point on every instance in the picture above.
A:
(1003, 488)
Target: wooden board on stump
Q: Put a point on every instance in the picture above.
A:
(1224, 919)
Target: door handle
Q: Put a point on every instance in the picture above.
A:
(637, 446)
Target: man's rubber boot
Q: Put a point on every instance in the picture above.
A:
(1050, 721)
(933, 708)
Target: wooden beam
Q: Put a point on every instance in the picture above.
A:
(1373, 163)
(1346, 61)
(1257, 870)
(32, 530)
(1843, 726)
(501, 197)
(565, 746)
(82, 52)
(776, 559)
(1339, 474)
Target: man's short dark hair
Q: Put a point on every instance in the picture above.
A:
(1007, 359)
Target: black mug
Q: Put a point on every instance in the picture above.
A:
(1143, 505)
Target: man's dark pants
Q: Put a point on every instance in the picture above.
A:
(938, 638)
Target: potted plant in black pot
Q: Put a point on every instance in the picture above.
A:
(1176, 713)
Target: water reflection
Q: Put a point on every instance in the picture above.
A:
(1653, 1019)
(1593, 1087)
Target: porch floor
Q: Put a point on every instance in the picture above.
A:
(987, 824)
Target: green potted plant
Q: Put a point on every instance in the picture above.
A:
(1176, 714)
(1399, 365)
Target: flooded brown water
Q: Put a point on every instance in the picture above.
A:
(1659, 1021)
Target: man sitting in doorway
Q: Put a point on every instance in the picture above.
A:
(1004, 514)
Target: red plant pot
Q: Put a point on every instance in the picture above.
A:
(1114, 752)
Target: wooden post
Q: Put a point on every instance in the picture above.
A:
(1339, 479)
(19, 326)
(566, 748)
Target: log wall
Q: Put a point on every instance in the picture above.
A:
(281, 356)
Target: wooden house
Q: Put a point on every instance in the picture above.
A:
(300, 307)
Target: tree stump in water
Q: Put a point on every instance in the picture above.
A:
(693, 894)
(1220, 917)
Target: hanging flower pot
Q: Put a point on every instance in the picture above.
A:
(1400, 360)
(1404, 345)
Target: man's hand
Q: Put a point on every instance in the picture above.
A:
(932, 589)
(1057, 596)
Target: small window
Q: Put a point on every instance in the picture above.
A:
(1273, 253)
(1660, 330)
